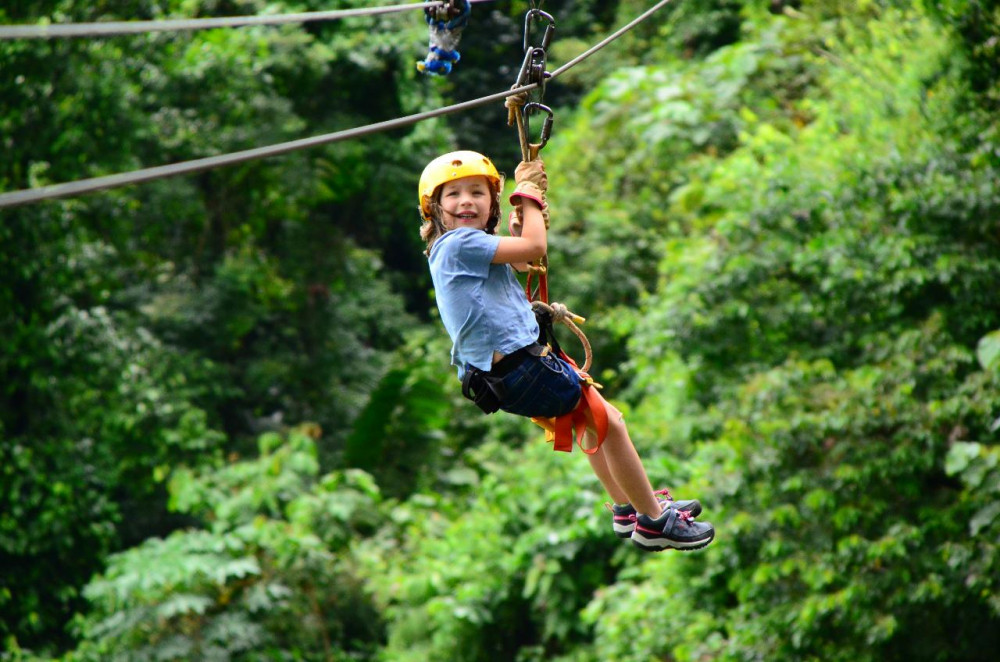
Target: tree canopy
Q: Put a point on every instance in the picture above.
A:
(228, 426)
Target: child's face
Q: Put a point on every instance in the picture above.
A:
(466, 203)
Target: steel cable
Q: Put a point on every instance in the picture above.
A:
(68, 189)
(113, 28)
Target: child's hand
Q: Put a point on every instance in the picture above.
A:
(532, 182)
(534, 172)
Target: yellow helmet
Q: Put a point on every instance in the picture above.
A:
(449, 167)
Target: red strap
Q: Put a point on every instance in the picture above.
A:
(574, 424)
(576, 420)
(564, 432)
(543, 287)
(600, 414)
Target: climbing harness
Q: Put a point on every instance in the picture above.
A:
(445, 22)
(563, 429)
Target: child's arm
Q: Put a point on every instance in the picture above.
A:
(532, 243)
(529, 241)
(514, 229)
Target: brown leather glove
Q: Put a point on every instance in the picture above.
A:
(532, 183)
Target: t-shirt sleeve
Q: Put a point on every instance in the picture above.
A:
(472, 251)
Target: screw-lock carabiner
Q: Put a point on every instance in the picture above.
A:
(546, 125)
(549, 29)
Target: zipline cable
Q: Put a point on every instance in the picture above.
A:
(112, 28)
(186, 167)
(69, 189)
(610, 38)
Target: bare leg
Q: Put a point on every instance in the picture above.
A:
(619, 468)
(599, 463)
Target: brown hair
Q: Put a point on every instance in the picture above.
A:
(434, 228)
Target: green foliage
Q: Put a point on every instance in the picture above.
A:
(400, 434)
(828, 302)
(840, 526)
(142, 321)
(265, 581)
(660, 123)
(95, 411)
(779, 218)
(477, 575)
(799, 259)
(298, 352)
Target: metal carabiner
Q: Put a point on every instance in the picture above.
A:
(546, 125)
(549, 29)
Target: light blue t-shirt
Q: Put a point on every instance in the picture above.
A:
(482, 305)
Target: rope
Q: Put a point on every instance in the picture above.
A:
(515, 107)
(560, 313)
(515, 113)
(529, 152)
(68, 189)
(445, 26)
(111, 28)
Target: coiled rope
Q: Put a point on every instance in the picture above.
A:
(560, 313)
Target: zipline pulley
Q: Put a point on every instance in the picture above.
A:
(535, 57)
(533, 70)
(532, 73)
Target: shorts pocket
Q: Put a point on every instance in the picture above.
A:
(543, 386)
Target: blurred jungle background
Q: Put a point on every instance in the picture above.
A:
(228, 427)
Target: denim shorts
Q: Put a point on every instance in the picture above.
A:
(542, 386)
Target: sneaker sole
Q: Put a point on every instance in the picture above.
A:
(659, 543)
(625, 530)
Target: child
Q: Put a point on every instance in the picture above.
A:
(495, 333)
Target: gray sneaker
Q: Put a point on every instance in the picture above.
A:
(623, 517)
(674, 529)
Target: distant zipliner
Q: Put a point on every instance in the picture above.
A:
(445, 24)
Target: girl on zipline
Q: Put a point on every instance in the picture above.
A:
(495, 335)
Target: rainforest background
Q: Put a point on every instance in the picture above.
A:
(228, 427)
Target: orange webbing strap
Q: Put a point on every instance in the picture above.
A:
(562, 429)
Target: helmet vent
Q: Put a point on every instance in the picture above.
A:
(456, 162)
